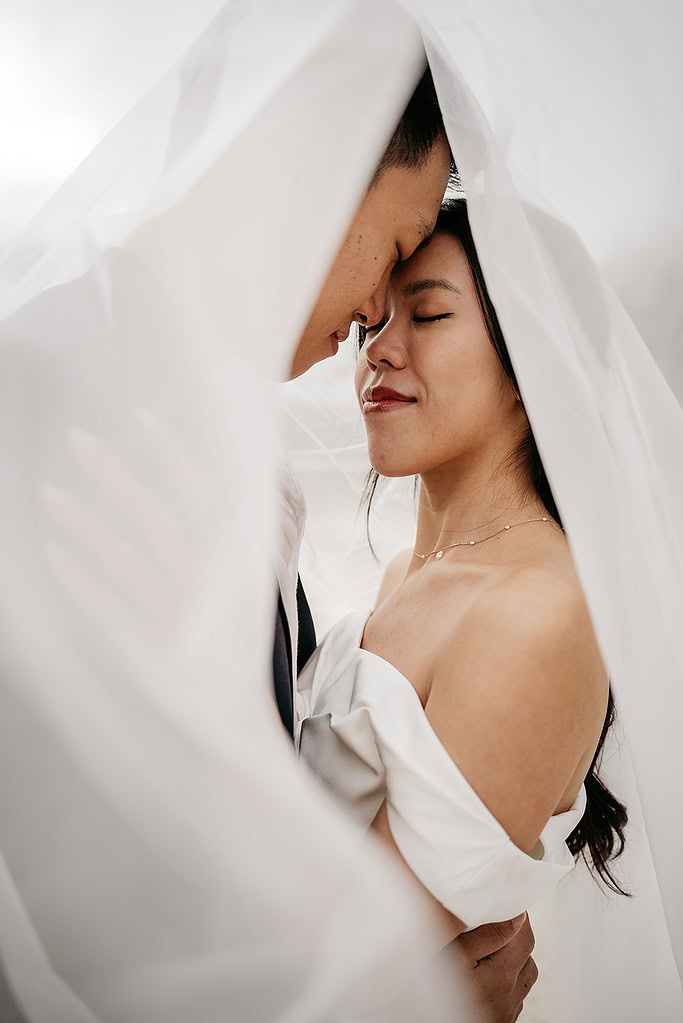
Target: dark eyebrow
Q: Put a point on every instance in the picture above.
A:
(428, 284)
(426, 229)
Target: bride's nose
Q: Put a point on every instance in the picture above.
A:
(386, 347)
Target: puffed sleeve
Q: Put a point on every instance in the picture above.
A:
(364, 732)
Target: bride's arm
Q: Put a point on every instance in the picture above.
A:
(517, 699)
(448, 926)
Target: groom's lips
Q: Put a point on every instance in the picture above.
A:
(384, 399)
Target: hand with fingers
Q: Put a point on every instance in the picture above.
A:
(497, 961)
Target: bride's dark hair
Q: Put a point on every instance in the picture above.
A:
(600, 833)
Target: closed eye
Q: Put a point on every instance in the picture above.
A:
(416, 319)
(365, 331)
(431, 319)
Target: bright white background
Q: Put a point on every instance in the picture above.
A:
(68, 72)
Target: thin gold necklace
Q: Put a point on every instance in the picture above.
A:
(471, 543)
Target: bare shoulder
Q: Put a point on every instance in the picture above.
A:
(534, 604)
(534, 623)
(519, 696)
(394, 574)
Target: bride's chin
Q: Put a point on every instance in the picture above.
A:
(392, 468)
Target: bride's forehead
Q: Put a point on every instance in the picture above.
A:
(441, 256)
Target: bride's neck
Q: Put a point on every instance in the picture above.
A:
(461, 502)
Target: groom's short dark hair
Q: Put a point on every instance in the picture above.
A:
(419, 128)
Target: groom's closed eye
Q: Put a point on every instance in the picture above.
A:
(376, 326)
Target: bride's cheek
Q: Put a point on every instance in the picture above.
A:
(359, 376)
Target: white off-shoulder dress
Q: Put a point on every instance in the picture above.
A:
(363, 731)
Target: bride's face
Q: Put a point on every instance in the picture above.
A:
(453, 401)
(397, 213)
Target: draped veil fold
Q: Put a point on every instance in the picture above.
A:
(162, 854)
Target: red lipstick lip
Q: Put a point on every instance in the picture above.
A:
(382, 394)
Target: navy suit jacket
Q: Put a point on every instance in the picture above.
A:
(283, 670)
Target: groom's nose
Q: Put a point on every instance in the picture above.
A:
(371, 310)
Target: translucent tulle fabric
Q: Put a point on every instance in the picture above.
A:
(163, 856)
(580, 106)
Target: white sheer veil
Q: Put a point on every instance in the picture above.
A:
(162, 854)
(609, 429)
